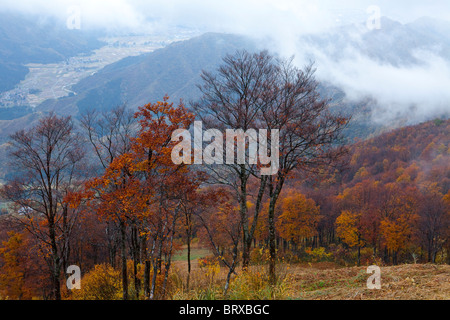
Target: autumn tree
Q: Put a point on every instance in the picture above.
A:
(139, 190)
(310, 134)
(362, 204)
(434, 223)
(257, 91)
(398, 210)
(13, 268)
(23, 271)
(325, 197)
(161, 178)
(299, 217)
(446, 200)
(350, 229)
(118, 205)
(47, 160)
(234, 98)
(109, 134)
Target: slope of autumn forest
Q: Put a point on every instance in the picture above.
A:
(106, 196)
(414, 161)
(391, 202)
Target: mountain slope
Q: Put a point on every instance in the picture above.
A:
(31, 39)
(418, 154)
(174, 70)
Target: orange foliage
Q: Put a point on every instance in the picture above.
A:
(348, 228)
(299, 217)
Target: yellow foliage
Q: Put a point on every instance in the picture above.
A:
(12, 284)
(299, 217)
(397, 232)
(101, 283)
(255, 285)
(362, 173)
(404, 177)
(347, 228)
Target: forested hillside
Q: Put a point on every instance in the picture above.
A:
(390, 202)
(224, 150)
(390, 205)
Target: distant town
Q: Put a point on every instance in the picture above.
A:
(53, 81)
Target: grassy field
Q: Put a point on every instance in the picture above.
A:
(196, 253)
(329, 281)
(403, 282)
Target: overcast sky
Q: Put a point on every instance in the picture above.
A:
(244, 16)
(397, 88)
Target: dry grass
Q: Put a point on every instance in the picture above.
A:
(403, 282)
(329, 281)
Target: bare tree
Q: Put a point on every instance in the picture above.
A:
(234, 98)
(224, 248)
(434, 223)
(310, 135)
(109, 134)
(47, 161)
(258, 91)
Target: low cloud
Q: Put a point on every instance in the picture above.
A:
(416, 92)
(255, 17)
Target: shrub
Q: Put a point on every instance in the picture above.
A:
(340, 254)
(255, 285)
(367, 257)
(259, 256)
(101, 283)
(318, 254)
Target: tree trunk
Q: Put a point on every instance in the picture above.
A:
(359, 256)
(112, 243)
(147, 279)
(272, 235)
(155, 272)
(272, 243)
(136, 255)
(189, 262)
(231, 269)
(169, 255)
(244, 218)
(56, 263)
(157, 262)
(188, 236)
(124, 260)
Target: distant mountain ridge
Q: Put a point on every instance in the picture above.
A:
(175, 70)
